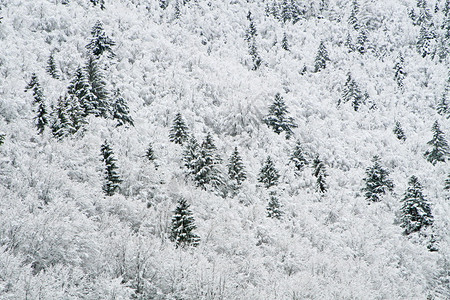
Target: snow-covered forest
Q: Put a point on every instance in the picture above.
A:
(235, 149)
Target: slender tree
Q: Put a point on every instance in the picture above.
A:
(112, 178)
(319, 171)
(352, 93)
(2, 138)
(416, 211)
(51, 68)
(121, 112)
(274, 208)
(80, 87)
(353, 18)
(285, 43)
(447, 183)
(41, 118)
(321, 58)
(61, 124)
(398, 131)
(179, 131)
(250, 37)
(399, 70)
(362, 40)
(443, 108)
(183, 226)
(101, 103)
(150, 153)
(236, 169)
(439, 147)
(268, 175)
(377, 181)
(278, 118)
(298, 158)
(100, 42)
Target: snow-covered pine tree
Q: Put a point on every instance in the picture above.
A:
(398, 131)
(41, 118)
(442, 107)
(439, 147)
(81, 88)
(75, 113)
(177, 10)
(191, 155)
(353, 18)
(61, 124)
(236, 169)
(150, 153)
(447, 183)
(321, 58)
(121, 112)
(377, 181)
(352, 93)
(100, 43)
(205, 171)
(179, 131)
(51, 68)
(101, 3)
(209, 145)
(2, 138)
(278, 118)
(268, 175)
(285, 43)
(274, 208)
(112, 178)
(298, 158)
(250, 37)
(183, 226)
(286, 11)
(399, 70)
(425, 40)
(361, 40)
(416, 210)
(101, 103)
(319, 171)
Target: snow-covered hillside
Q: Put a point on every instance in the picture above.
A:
(64, 235)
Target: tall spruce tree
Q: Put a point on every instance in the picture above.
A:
(298, 158)
(112, 178)
(352, 93)
(278, 119)
(100, 3)
(61, 124)
(377, 181)
(205, 169)
(121, 112)
(250, 37)
(75, 113)
(286, 11)
(51, 68)
(101, 103)
(150, 153)
(416, 211)
(285, 43)
(274, 208)
(191, 155)
(320, 62)
(2, 138)
(183, 226)
(439, 147)
(399, 70)
(362, 40)
(447, 183)
(319, 171)
(425, 40)
(442, 107)
(179, 131)
(80, 87)
(353, 18)
(100, 42)
(41, 118)
(398, 131)
(236, 169)
(268, 175)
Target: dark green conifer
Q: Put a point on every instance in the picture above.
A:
(361, 41)
(2, 138)
(286, 11)
(278, 118)
(179, 131)
(298, 158)
(236, 170)
(447, 183)
(40, 119)
(51, 68)
(285, 43)
(150, 153)
(399, 70)
(183, 226)
(442, 108)
(61, 124)
(439, 147)
(416, 211)
(349, 43)
(352, 93)
(268, 175)
(398, 131)
(250, 37)
(321, 58)
(101, 103)
(191, 155)
(425, 40)
(319, 171)
(101, 3)
(274, 208)
(377, 181)
(81, 88)
(112, 178)
(353, 18)
(100, 43)
(121, 112)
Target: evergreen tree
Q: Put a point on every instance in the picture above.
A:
(415, 211)
(349, 43)
(51, 66)
(274, 208)
(191, 155)
(101, 99)
(81, 88)
(61, 125)
(183, 226)
(377, 181)
(447, 183)
(398, 131)
(446, 9)
(101, 3)
(112, 178)
(442, 108)
(285, 43)
(439, 148)
(75, 113)
(177, 10)
(353, 18)
(277, 118)
(250, 37)
(179, 131)
(321, 58)
(268, 175)
(298, 158)
(352, 93)
(399, 69)
(41, 112)
(121, 112)
(361, 40)
(425, 40)
(150, 153)
(319, 171)
(100, 43)
(236, 170)
(2, 138)
(286, 11)
(209, 145)
(205, 169)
